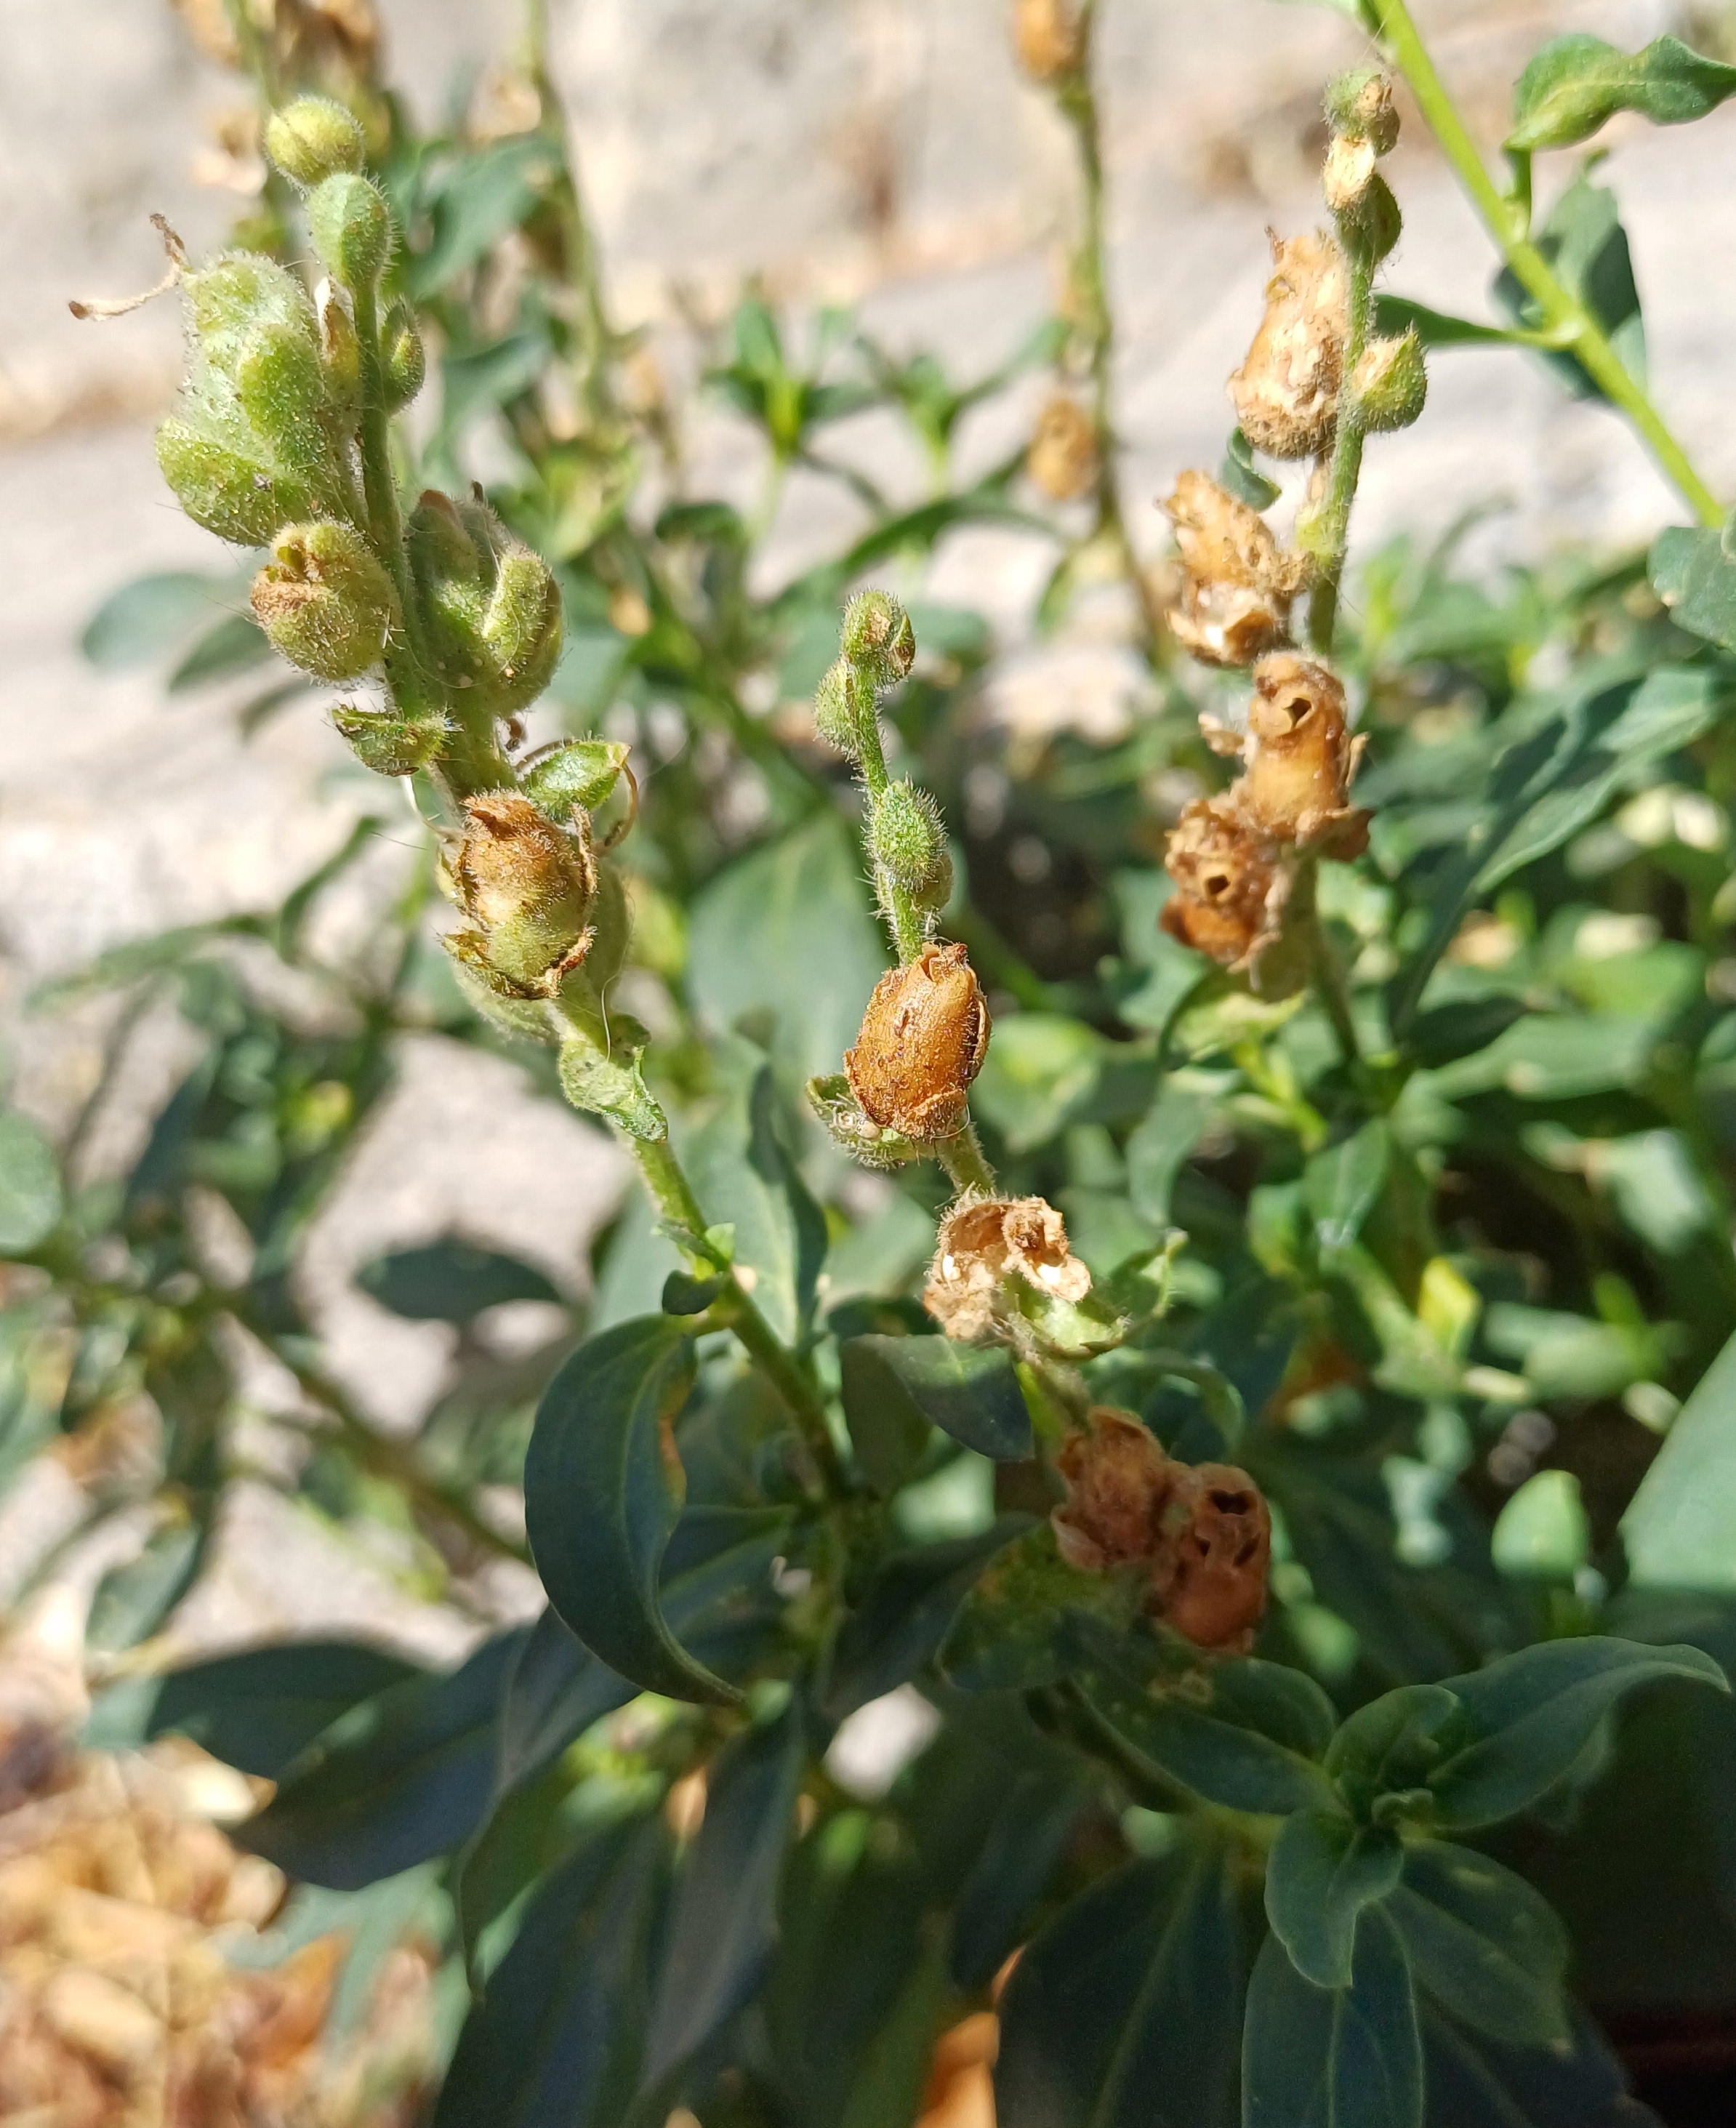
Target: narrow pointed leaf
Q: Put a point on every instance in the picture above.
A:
(969, 1393)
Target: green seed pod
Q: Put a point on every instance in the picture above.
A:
(877, 633)
(1369, 223)
(1359, 106)
(908, 841)
(340, 360)
(238, 497)
(314, 139)
(229, 300)
(1390, 383)
(582, 772)
(351, 227)
(324, 601)
(403, 360)
(843, 706)
(528, 885)
(493, 606)
(387, 744)
(281, 391)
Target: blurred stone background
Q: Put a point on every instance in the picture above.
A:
(883, 152)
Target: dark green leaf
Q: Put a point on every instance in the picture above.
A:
(1395, 316)
(1126, 2010)
(1680, 1528)
(1008, 1634)
(1583, 239)
(480, 202)
(1576, 83)
(1484, 1945)
(405, 1775)
(1321, 1872)
(1171, 1128)
(236, 644)
(450, 1280)
(1019, 1855)
(1477, 2084)
(905, 1613)
(556, 2040)
(1342, 1184)
(1531, 1714)
(1242, 478)
(1334, 2058)
(1395, 1744)
(1445, 1032)
(29, 1184)
(132, 1601)
(723, 1929)
(257, 1710)
(893, 1385)
(603, 1490)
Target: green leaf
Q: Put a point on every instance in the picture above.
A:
(1018, 1857)
(1161, 1143)
(893, 1386)
(1693, 573)
(1479, 2084)
(1576, 83)
(1530, 1715)
(1041, 1069)
(1680, 1528)
(785, 931)
(603, 1490)
(29, 1184)
(257, 1710)
(1341, 1185)
(1008, 1632)
(1242, 478)
(1321, 1872)
(450, 1280)
(1334, 2058)
(556, 2040)
(148, 618)
(1583, 239)
(905, 1613)
(723, 1929)
(1544, 1531)
(1486, 1946)
(132, 1601)
(1395, 316)
(1126, 2010)
(236, 644)
(405, 1775)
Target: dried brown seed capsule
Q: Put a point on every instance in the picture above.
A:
(923, 1041)
(1119, 1482)
(1208, 1580)
(528, 886)
(1049, 37)
(1299, 757)
(1231, 884)
(987, 1241)
(1286, 392)
(1062, 459)
(1239, 581)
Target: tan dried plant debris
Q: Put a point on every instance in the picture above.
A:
(1238, 581)
(1286, 392)
(1298, 758)
(923, 1041)
(1232, 884)
(1062, 459)
(986, 1242)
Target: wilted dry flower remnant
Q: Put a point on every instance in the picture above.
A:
(1049, 36)
(1202, 1531)
(1286, 392)
(528, 885)
(1231, 885)
(1236, 601)
(1062, 460)
(1298, 758)
(985, 1243)
(923, 1041)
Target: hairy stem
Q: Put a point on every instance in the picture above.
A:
(1570, 323)
(964, 1161)
(903, 918)
(1331, 533)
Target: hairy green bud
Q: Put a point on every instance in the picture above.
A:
(581, 773)
(351, 227)
(1390, 383)
(387, 742)
(325, 601)
(236, 496)
(1359, 106)
(403, 360)
(528, 885)
(877, 633)
(1368, 223)
(843, 704)
(314, 139)
(493, 606)
(909, 843)
(281, 391)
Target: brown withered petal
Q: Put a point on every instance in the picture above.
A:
(1231, 883)
(1048, 36)
(1298, 758)
(923, 1041)
(1286, 392)
(1214, 1551)
(987, 1240)
(1239, 583)
(1062, 460)
(1119, 1483)
(1226, 624)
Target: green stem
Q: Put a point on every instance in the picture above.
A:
(1331, 531)
(1565, 317)
(965, 1162)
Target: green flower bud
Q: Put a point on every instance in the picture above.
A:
(1369, 223)
(324, 601)
(528, 886)
(340, 360)
(909, 842)
(313, 139)
(582, 772)
(403, 360)
(877, 633)
(1390, 383)
(843, 705)
(1360, 107)
(351, 227)
(229, 300)
(388, 744)
(281, 391)
(237, 496)
(493, 606)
